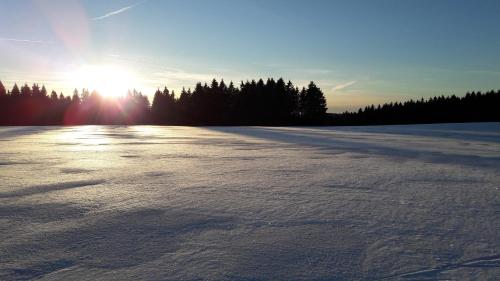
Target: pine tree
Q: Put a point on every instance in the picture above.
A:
(53, 96)
(3, 91)
(76, 97)
(43, 92)
(313, 103)
(35, 90)
(25, 91)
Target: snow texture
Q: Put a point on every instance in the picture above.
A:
(418, 202)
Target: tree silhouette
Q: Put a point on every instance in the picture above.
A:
(53, 96)
(269, 102)
(15, 91)
(25, 90)
(75, 98)
(473, 107)
(3, 91)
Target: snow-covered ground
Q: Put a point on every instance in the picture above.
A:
(258, 203)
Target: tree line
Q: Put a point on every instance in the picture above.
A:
(33, 105)
(473, 107)
(253, 103)
(273, 102)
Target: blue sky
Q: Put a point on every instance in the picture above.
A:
(358, 52)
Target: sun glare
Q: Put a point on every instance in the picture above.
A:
(107, 80)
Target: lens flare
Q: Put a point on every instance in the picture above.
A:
(107, 80)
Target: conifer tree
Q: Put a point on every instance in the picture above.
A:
(15, 91)
(3, 91)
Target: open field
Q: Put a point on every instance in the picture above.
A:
(250, 203)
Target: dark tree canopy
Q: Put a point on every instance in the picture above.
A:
(313, 103)
(473, 107)
(269, 102)
(34, 106)
(3, 91)
(253, 103)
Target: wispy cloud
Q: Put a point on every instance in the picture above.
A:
(316, 71)
(119, 11)
(182, 76)
(343, 86)
(19, 40)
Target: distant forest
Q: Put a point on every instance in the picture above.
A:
(273, 102)
(473, 107)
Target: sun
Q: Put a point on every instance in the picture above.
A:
(107, 80)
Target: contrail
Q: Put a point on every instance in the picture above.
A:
(119, 11)
(343, 86)
(25, 40)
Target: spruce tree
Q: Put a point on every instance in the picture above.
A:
(15, 91)
(3, 91)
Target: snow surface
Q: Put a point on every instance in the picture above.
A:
(256, 203)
